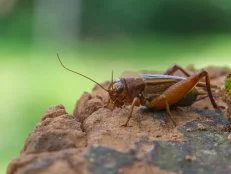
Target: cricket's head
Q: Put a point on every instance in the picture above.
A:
(117, 93)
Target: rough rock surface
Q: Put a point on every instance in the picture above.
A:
(93, 141)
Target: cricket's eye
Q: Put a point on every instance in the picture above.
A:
(118, 87)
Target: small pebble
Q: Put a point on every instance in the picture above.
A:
(229, 137)
(189, 130)
(190, 158)
(175, 135)
(158, 136)
(209, 120)
(201, 126)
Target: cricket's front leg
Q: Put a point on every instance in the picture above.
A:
(135, 102)
(109, 104)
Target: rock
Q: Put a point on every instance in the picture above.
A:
(200, 127)
(229, 137)
(92, 140)
(57, 130)
(190, 157)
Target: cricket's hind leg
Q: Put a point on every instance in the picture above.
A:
(176, 92)
(174, 68)
(168, 109)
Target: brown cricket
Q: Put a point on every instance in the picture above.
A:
(157, 91)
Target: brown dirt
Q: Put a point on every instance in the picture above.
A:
(61, 142)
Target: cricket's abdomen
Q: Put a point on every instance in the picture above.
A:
(174, 93)
(189, 98)
(157, 85)
(151, 90)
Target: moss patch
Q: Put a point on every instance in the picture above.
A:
(228, 84)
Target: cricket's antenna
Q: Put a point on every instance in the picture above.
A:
(79, 73)
(111, 84)
(112, 78)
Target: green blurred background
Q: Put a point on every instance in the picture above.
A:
(95, 37)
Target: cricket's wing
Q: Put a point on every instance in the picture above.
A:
(160, 78)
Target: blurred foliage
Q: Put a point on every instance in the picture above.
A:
(18, 24)
(179, 16)
(107, 17)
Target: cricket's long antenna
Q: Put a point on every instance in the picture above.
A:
(112, 78)
(111, 84)
(79, 73)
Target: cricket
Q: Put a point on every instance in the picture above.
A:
(157, 91)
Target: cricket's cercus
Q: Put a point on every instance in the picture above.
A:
(157, 91)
